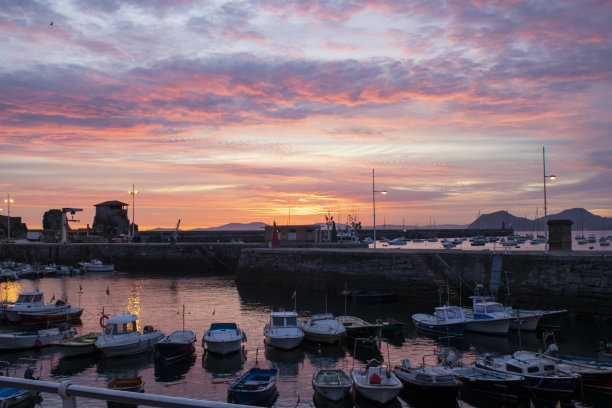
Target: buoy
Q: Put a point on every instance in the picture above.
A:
(102, 324)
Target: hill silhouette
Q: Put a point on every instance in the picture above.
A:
(581, 219)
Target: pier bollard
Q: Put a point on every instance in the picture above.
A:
(68, 401)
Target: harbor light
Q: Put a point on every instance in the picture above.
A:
(374, 191)
(549, 177)
(133, 194)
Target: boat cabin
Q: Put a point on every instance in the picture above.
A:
(283, 319)
(525, 365)
(30, 298)
(122, 324)
(223, 326)
(449, 314)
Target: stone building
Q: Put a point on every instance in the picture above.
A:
(294, 233)
(111, 219)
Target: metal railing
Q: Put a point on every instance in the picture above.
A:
(68, 392)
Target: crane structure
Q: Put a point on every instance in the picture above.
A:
(65, 221)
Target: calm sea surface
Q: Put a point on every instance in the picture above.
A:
(158, 301)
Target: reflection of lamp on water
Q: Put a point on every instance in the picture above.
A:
(383, 192)
(8, 200)
(550, 177)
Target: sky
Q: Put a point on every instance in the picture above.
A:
(262, 111)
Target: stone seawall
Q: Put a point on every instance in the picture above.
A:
(581, 283)
(214, 258)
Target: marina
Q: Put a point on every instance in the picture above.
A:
(206, 376)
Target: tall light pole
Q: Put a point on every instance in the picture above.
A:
(551, 177)
(8, 200)
(374, 191)
(133, 193)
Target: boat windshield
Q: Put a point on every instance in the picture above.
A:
(278, 321)
(495, 308)
(24, 299)
(292, 321)
(120, 328)
(453, 314)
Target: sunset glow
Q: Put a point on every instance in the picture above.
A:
(246, 111)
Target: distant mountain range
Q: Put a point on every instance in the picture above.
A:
(581, 218)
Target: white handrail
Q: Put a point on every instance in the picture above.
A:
(68, 391)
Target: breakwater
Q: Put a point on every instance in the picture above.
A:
(579, 282)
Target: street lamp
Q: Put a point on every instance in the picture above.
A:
(383, 192)
(133, 193)
(550, 177)
(8, 200)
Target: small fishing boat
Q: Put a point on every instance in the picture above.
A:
(438, 379)
(34, 339)
(51, 316)
(133, 384)
(487, 316)
(542, 376)
(77, 346)
(356, 327)
(176, 345)
(323, 328)
(30, 302)
(96, 265)
(376, 382)
(122, 338)
(283, 331)
(223, 338)
(17, 397)
(492, 383)
(390, 327)
(446, 320)
(255, 387)
(333, 384)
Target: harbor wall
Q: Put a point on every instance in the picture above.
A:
(580, 283)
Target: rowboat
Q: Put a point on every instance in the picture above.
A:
(376, 382)
(333, 384)
(77, 346)
(51, 316)
(255, 387)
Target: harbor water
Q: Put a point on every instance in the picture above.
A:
(158, 301)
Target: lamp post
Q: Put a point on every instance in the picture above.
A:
(133, 193)
(8, 200)
(551, 177)
(374, 191)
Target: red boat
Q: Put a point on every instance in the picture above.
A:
(55, 316)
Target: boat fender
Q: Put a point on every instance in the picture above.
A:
(102, 321)
(37, 344)
(244, 339)
(374, 379)
(192, 348)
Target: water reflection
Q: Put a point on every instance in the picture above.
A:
(324, 355)
(126, 366)
(288, 361)
(321, 401)
(175, 370)
(223, 365)
(69, 366)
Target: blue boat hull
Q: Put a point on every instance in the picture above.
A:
(256, 387)
(454, 329)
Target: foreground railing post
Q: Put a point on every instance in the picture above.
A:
(68, 401)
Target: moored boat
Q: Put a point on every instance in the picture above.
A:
(376, 382)
(96, 265)
(30, 302)
(542, 377)
(77, 346)
(487, 382)
(17, 397)
(34, 339)
(255, 387)
(122, 338)
(488, 317)
(176, 345)
(333, 384)
(323, 328)
(51, 316)
(438, 379)
(446, 320)
(283, 331)
(357, 327)
(223, 338)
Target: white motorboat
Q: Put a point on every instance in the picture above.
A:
(223, 338)
(77, 346)
(122, 338)
(376, 382)
(525, 320)
(34, 339)
(31, 302)
(357, 327)
(283, 331)
(446, 320)
(397, 241)
(437, 379)
(323, 328)
(96, 265)
(333, 384)
(487, 316)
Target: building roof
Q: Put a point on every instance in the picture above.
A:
(110, 203)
